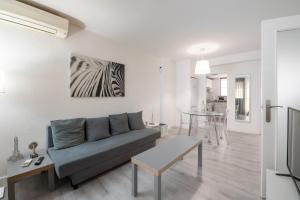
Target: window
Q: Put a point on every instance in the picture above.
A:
(223, 86)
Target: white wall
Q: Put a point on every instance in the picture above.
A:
(168, 104)
(216, 87)
(194, 92)
(202, 91)
(183, 87)
(37, 73)
(232, 70)
(236, 58)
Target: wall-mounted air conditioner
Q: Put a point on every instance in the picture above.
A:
(23, 15)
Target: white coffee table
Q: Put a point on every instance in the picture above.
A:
(162, 157)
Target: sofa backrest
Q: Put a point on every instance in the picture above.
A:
(49, 137)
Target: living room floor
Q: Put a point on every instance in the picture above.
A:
(230, 171)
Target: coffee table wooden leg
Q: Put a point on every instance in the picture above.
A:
(134, 180)
(200, 155)
(51, 179)
(11, 190)
(157, 187)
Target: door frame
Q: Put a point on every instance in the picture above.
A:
(270, 28)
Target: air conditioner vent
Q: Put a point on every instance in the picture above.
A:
(23, 15)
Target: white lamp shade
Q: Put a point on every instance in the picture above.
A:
(202, 67)
(2, 82)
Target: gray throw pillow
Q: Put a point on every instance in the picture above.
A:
(119, 123)
(136, 120)
(67, 133)
(97, 128)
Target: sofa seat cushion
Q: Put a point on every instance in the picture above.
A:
(71, 160)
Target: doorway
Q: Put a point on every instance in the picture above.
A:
(280, 82)
(216, 92)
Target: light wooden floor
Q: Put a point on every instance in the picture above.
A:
(229, 172)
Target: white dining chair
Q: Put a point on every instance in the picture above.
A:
(184, 120)
(205, 123)
(222, 126)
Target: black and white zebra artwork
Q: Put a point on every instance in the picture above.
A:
(92, 77)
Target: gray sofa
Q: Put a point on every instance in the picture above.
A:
(89, 159)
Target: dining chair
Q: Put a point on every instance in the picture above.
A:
(205, 123)
(184, 120)
(222, 126)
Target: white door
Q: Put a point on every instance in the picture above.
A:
(288, 82)
(280, 86)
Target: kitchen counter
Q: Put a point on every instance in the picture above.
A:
(217, 101)
(217, 106)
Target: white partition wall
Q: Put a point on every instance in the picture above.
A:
(183, 87)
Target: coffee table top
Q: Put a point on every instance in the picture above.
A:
(15, 171)
(161, 157)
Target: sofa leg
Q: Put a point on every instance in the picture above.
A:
(75, 187)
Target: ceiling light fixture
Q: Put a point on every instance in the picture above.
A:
(202, 65)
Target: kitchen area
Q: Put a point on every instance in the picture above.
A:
(216, 92)
(232, 89)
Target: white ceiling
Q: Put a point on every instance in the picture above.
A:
(168, 27)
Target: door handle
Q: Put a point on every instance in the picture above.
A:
(268, 110)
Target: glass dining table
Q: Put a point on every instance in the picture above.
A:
(211, 115)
